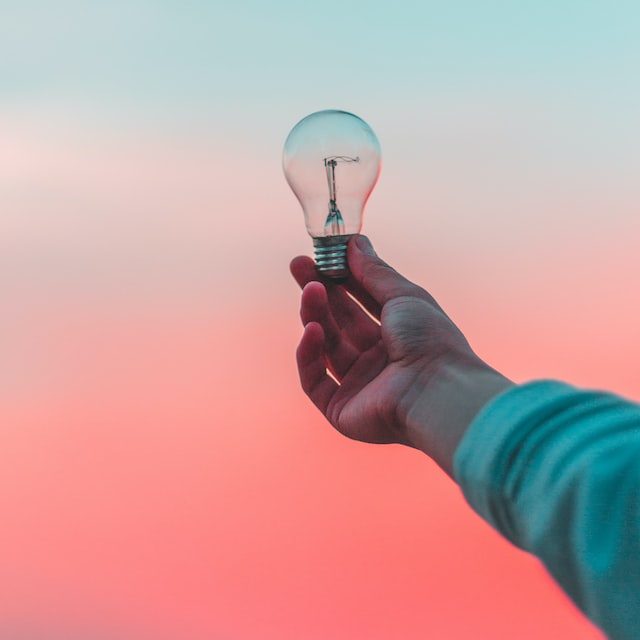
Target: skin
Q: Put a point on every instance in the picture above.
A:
(399, 372)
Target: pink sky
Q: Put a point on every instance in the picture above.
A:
(162, 476)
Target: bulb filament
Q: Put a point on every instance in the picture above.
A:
(334, 225)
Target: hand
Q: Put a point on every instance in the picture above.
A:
(401, 371)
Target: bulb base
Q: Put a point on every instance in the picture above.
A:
(331, 256)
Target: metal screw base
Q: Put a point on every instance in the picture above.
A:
(331, 256)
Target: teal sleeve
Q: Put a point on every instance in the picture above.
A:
(557, 471)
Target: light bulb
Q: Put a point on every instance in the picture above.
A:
(331, 160)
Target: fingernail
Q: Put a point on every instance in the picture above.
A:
(364, 244)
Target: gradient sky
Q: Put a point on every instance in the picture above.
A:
(161, 474)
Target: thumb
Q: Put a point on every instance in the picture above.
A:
(381, 281)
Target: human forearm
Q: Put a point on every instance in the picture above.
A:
(556, 471)
(443, 402)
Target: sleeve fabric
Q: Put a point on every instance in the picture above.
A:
(557, 471)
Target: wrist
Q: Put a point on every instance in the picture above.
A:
(447, 399)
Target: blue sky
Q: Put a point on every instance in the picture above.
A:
(495, 116)
(221, 56)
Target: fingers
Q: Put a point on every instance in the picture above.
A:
(315, 308)
(310, 355)
(375, 278)
(368, 366)
(329, 396)
(360, 328)
(303, 269)
(372, 306)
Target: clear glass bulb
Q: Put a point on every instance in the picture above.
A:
(331, 160)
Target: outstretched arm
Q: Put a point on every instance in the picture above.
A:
(554, 469)
(557, 471)
(383, 361)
